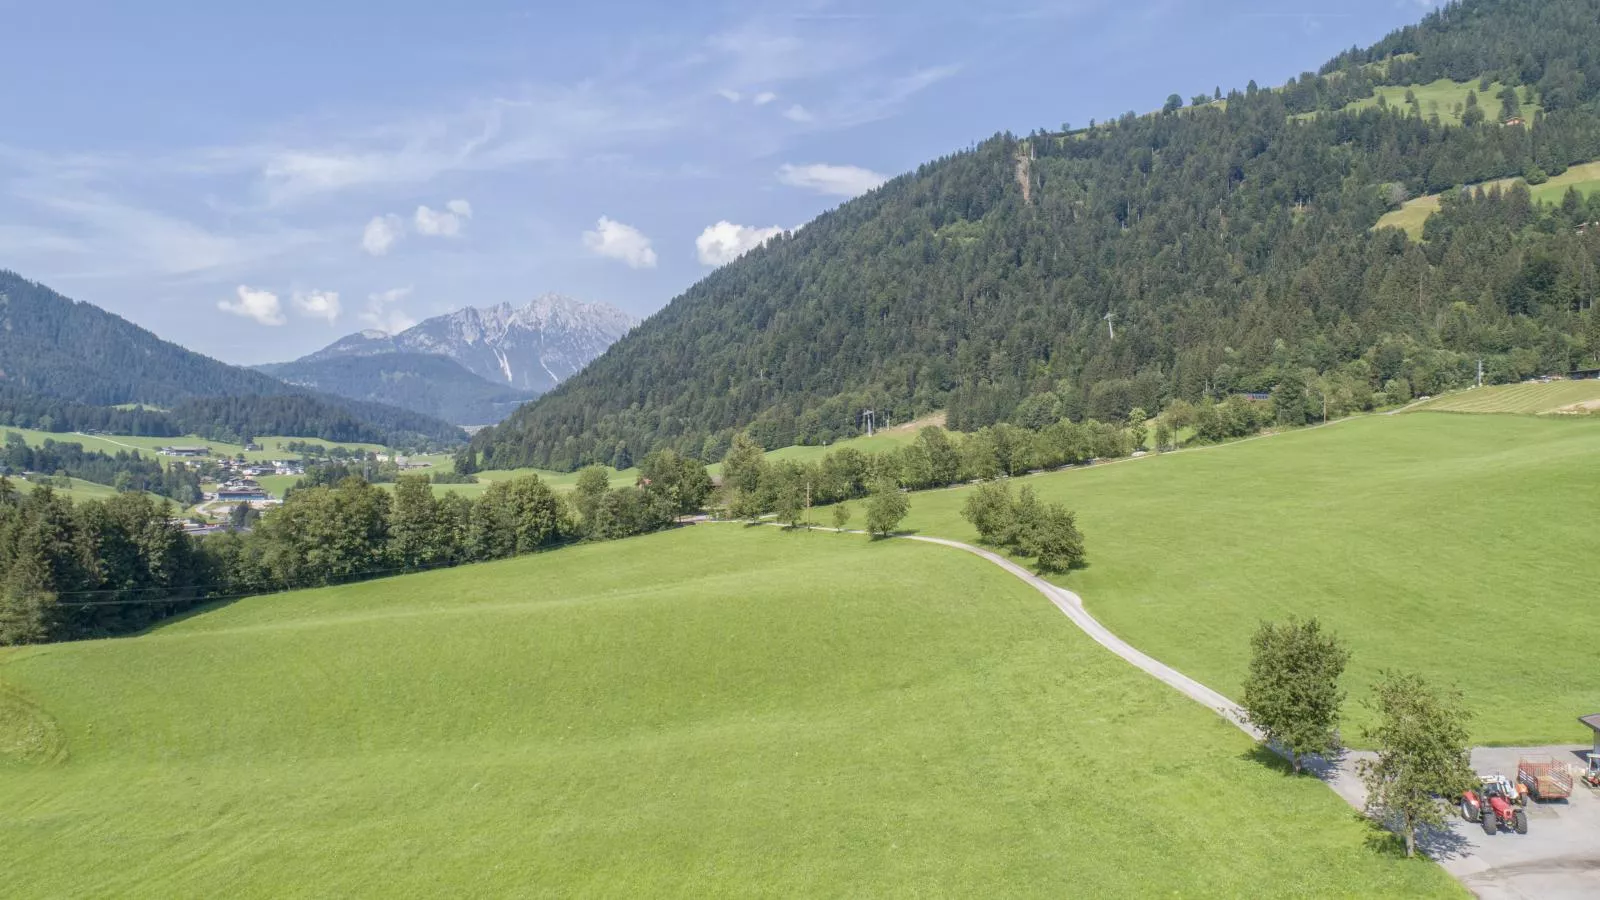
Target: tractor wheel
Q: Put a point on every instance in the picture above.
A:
(1490, 821)
(1520, 822)
(1467, 812)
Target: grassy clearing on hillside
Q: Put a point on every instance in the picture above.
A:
(1443, 97)
(712, 711)
(1413, 214)
(558, 481)
(81, 490)
(1429, 542)
(892, 439)
(1526, 399)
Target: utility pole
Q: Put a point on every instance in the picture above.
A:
(1480, 373)
(868, 416)
(1110, 327)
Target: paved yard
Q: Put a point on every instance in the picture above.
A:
(1558, 858)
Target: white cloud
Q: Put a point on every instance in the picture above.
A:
(262, 306)
(840, 181)
(725, 242)
(617, 241)
(798, 113)
(445, 222)
(729, 95)
(763, 98)
(381, 233)
(318, 305)
(384, 314)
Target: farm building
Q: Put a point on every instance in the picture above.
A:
(185, 451)
(242, 490)
(1593, 722)
(1584, 375)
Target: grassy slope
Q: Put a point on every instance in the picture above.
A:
(1517, 398)
(1443, 96)
(1413, 214)
(878, 443)
(81, 490)
(1411, 536)
(644, 719)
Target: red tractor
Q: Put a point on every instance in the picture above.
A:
(1495, 807)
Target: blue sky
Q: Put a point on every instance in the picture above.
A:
(255, 181)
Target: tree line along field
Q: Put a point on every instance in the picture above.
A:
(1525, 399)
(1414, 213)
(647, 718)
(1433, 543)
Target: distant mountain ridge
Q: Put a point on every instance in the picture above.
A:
(531, 348)
(426, 383)
(69, 356)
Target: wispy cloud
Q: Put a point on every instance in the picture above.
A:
(542, 125)
(383, 311)
(381, 233)
(839, 181)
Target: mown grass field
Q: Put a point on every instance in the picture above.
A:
(1413, 214)
(1526, 399)
(1462, 547)
(713, 711)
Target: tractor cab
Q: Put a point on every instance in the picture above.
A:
(1592, 777)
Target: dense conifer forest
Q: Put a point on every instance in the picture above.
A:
(1181, 256)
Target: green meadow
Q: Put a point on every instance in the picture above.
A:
(1462, 547)
(1413, 214)
(717, 710)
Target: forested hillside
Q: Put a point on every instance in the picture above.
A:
(63, 363)
(1185, 255)
(433, 385)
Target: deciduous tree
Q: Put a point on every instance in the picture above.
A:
(1293, 693)
(1421, 740)
(886, 507)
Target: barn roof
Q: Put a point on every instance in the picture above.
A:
(1591, 721)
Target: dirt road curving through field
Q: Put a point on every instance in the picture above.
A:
(1558, 859)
